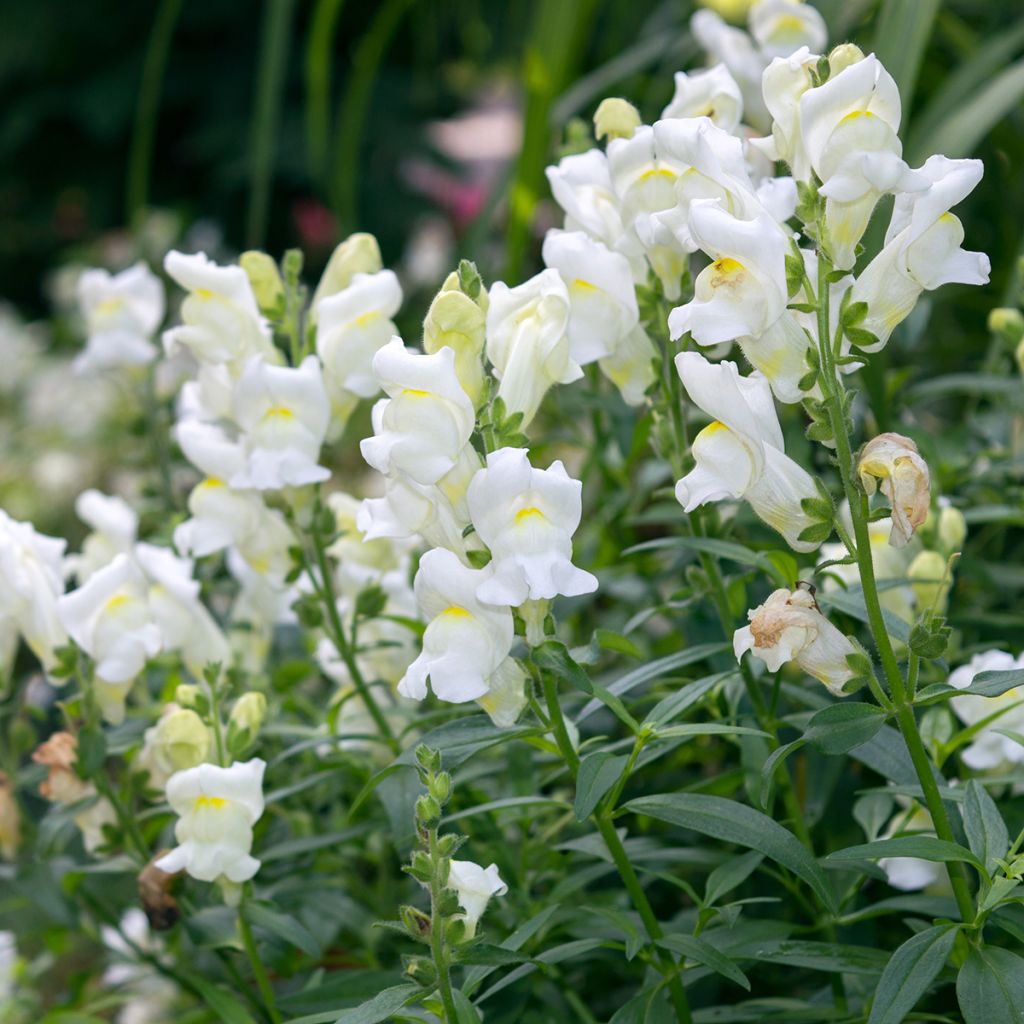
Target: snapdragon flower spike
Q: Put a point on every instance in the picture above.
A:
(849, 127)
(32, 570)
(352, 326)
(217, 808)
(474, 887)
(894, 460)
(109, 618)
(527, 517)
(221, 322)
(421, 429)
(122, 312)
(922, 248)
(990, 748)
(465, 642)
(740, 454)
(711, 93)
(742, 296)
(790, 627)
(283, 414)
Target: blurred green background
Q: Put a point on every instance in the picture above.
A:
(294, 122)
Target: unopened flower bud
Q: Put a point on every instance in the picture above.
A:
(952, 528)
(249, 712)
(843, 56)
(420, 867)
(186, 695)
(927, 573)
(616, 118)
(358, 254)
(1008, 323)
(456, 321)
(441, 788)
(183, 739)
(417, 924)
(429, 760)
(422, 971)
(265, 281)
(428, 810)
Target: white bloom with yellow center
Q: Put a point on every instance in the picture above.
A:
(352, 326)
(217, 808)
(122, 312)
(474, 886)
(849, 129)
(894, 460)
(711, 93)
(528, 341)
(527, 517)
(781, 27)
(109, 617)
(741, 454)
(283, 414)
(32, 570)
(465, 641)
(221, 322)
(922, 248)
(790, 627)
(602, 299)
(421, 429)
(990, 748)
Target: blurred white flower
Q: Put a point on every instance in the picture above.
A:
(217, 808)
(474, 886)
(114, 525)
(179, 740)
(712, 93)
(911, 874)
(990, 749)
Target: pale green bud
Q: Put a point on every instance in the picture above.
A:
(265, 281)
(1008, 323)
(926, 573)
(358, 254)
(182, 739)
(845, 55)
(456, 321)
(952, 528)
(249, 712)
(186, 695)
(616, 118)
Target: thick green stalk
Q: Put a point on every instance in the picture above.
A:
(677, 991)
(262, 982)
(437, 943)
(833, 390)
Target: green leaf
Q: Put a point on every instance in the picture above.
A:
(380, 1007)
(283, 925)
(851, 602)
(841, 727)
(734, 822)
(684, 698)
(228, 1008)
(609, 640)
(734, 872)
(465, 1011)
(831, 957)
(912, 969)
(491, 956)
(704, 953)
(922, 847)
(990, 987)
(901, 38)
(598, 773)
(770, 766)
(986, 831)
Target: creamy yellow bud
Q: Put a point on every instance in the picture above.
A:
(265, 280)
(952, 529)
(926, 572)
(843, 56)
(616, 118)
(186, 695)
(358, 254)
(732, 10)
(182, 738)
(456, 321)
(1007, 322)
(249, 712)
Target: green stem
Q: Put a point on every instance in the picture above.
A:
(318, 85)
(620, 858)
(833, 390)
(262, 982)
(438, 947)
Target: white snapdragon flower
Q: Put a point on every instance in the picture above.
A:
(582, 187)
(422, 428)
(352, 326)
(602, 299)
(31, 567)
(910, 874)
(361, 560)
(115, 525)
(922, 248)
(465, 641)
(527, 517)
(894, 460)
(734, 49)
(283, 414)
(740, 454)
(528, 341)
(122, 312)
(217, 808)
(742, 296)
(849, 128)
(109, 618)
(785, 81)
(790, 627)
(780, 27)
(990, 749)
(711, 93)
(474, 886)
